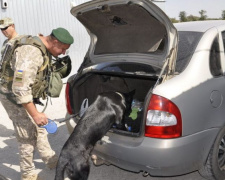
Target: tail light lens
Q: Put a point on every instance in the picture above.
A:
(68, 105)
(163, 119)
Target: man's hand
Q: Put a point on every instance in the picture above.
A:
(39, 118)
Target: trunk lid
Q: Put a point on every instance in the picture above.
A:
(128, 31)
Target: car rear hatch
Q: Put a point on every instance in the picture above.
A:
(132, 46)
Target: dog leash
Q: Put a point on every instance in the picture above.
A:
(68, 118)
(84, 107)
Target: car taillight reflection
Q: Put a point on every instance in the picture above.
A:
(67, 94)
(163, 119)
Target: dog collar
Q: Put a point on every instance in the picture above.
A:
(120, 94)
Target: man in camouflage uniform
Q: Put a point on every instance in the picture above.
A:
(8, 31)
(18, 101)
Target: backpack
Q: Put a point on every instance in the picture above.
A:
(47, 83)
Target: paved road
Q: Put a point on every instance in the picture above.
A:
(9, 163)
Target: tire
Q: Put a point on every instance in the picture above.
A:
(214, 168)
(2, 177)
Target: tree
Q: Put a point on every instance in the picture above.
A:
(183, 16)
(192, 18)
(203, 15)
(223, 14)
(173, 20)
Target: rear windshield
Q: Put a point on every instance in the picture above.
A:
(186, 46)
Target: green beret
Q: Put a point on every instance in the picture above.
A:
(62, 35)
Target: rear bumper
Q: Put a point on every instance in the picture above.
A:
(158, 157)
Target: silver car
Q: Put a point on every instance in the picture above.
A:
(178, 113)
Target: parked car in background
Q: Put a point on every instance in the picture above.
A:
(178, 112)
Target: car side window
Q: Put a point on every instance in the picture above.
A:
(223, 36)
(215, 61)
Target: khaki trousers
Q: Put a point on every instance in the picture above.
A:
(28, 135)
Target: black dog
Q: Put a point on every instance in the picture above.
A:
(107, 109)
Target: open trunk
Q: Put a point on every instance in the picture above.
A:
(90, 85)
(132, 44)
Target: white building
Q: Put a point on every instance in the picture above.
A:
(41, 16)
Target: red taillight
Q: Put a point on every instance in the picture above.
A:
(68, 105)
(163, 119)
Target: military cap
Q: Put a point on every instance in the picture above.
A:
(62, 35)
(5, 22)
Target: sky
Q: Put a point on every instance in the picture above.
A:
(213, 8)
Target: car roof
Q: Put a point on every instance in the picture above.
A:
(199, 26)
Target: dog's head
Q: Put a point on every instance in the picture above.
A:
(125, 104)
(120, 102)
(128, 100)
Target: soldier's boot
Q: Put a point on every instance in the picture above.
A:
(52, 163)
(31, 177)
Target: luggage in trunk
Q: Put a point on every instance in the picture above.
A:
(86, 89)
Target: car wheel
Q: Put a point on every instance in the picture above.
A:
(2, 177)
(214, 168)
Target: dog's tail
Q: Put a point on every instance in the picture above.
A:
(60, 169)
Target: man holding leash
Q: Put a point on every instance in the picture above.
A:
(23, 77)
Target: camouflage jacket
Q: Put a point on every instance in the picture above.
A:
(28, 80)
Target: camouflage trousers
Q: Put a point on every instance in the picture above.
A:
(28, 135)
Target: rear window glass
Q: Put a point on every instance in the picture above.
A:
(186, 46)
